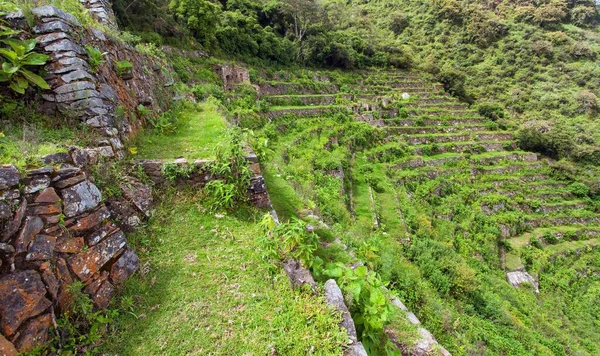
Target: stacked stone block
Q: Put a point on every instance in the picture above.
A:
(54, 230)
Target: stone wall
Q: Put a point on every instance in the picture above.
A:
(232, 75)
(54, 230)
(257, 191)
(101, 97)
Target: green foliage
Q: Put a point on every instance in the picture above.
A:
(95, 57)
(579, 189)
(16, 59)
(368, 302)
(287, 240)
(230, 170)
(123, 67)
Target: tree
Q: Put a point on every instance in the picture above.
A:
(302, 14)
(200, 16)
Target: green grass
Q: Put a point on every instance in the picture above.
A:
(198, 133)
(207, 291)
(24, 144)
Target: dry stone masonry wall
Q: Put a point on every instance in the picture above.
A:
(54, 230)
(100, 97)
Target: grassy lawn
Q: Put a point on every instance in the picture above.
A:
(204, 290)
(198, 133)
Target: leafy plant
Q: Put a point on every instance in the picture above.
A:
(15, 62)
(368, 303)
(123, 68)
(95, 57)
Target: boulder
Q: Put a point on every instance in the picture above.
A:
(80, 198)
(9, 176)
(36, 183)
(516, 278)
(22, 295)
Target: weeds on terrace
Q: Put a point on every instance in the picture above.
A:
(230, 168)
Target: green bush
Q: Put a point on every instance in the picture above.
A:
(579, 189)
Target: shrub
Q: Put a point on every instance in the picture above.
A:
(578, 189)
(203, 91)
(17, 60)
(491, 111)
(398, 23)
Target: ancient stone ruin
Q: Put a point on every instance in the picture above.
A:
(54, 230)
(232, 75)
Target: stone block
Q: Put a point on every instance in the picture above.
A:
(80, 198)
(23, 297)
(9, 176)
(86, 264)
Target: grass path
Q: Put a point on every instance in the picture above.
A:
(208, 292)
(199, 132)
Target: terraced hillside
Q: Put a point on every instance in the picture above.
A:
(443, 205)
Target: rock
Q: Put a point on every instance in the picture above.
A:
(7, 348)
(65, 45)
(71, 68)
(34, 333)
(90, 221)
(356, 350)
(395, 301)
(66, 172)
(42, 209)
(48, 196)
(108, 93)
(42, 248)
(51, 11)
(40, 171)
(76, 86)
(87, 263)
(54, 26)
(126, 215)
(80, 157)
(139, 194)
(76, 76)
(124, 267)
(56, 158)
(5, 211)
(6, 249)
(10, 194)
(516, 278)
(335, 298)
(71, 181)
(413, 318)
(32, 226)
(9, 176)
(100, 234)
(66, 244)
(51, 37)
(71, 61)
(15, 223)
(80, 198)
(50, 280)
(36, 184)
(76, 95)
(103, 295)
(22, 295)
(257, 185)
(298, 275)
